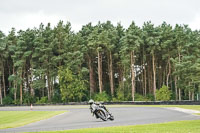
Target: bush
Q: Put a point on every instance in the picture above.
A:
(139, 97)
(7, 100)
(17, 101)
(28, 99)
(42, 100)
(119, 96)
(102, 97)
(56, 98)
(164, 94)
(150, 97)
(57, 94)
(72, 86)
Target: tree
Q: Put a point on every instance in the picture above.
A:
(181, 39)
(90, 55)
(11, 44)
(131, 42)
(72, 86)
(110, 44)
(2, 60)
(152, 38)
(96, 40)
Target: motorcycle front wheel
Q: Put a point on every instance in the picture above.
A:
(101, 113)
(111, 118)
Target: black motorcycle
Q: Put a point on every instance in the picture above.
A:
(100, 111)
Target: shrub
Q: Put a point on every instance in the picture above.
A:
(164, 94)
(42, 100)
(102, 97)
(7, 100)
(119, 96)
(28, 99)
(150, 97)
(72, 86)
(56, 98)
(139, 97)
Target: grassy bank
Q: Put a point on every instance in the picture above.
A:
(11, 119)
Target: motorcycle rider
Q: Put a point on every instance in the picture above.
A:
(94, 106)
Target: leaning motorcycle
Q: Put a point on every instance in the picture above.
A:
(100, 111)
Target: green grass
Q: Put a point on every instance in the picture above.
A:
(193, 107)
(170, 127)
(11, 119)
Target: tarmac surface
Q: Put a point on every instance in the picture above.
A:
(79, 117)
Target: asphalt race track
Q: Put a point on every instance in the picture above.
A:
(80, 117)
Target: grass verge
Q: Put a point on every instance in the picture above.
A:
(11, 119)
(193, 107)
(191, 126)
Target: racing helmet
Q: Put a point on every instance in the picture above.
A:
(91, 101)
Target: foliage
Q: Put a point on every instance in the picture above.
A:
(57, 94)
(102, 97)
(7, 100)
(72, 86)
(42, 100)
(163, 94)
(103, 57)
(150, 97)
(28, 99)
(139, 97)
(119, 96)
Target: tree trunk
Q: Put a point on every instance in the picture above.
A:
(1, 101)
(100, 72)
(120, 78)
(92, 79)
(189, 95)
(52, 89)
(144, 73)
(192, 95)
(15, 86)
(49, 87)
(4, 84)
(133, 75)
(169, 72)
(179, 89)
(21, 87)
(9, 71)
(43, 89)
(179, 94)
(154, 75)
(145, 81)
(111, 74)
(176, 89)
(31, 82)
(149, 72)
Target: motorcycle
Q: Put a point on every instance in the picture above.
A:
(100, 111)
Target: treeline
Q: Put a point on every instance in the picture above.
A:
(100, 61)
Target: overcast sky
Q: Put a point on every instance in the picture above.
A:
(23, 14)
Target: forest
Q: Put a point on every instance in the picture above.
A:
(53, 64)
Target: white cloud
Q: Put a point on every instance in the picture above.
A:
(23, 14)
(195, 23)
(24, 21)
